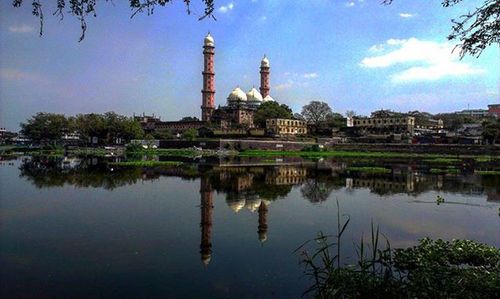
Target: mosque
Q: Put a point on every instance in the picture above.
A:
(237, 114)
(240, 107)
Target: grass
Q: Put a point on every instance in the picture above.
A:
(354, 154)
(368, 169)
(487, 172)
(449, 170)
(443, 160)
(145, 163)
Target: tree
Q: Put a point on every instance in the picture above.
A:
(475, 30)
(190, 134)
(350, 113)
(336, 120)
(81, 9)
(163, 134)
(271, 109)
(491, 130)
(107, 127)
(190, 118)
(44, 128)
(316, 113)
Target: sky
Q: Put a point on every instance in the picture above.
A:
(355, 55)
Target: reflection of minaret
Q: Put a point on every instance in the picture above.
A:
(206, 220)
(262, 222)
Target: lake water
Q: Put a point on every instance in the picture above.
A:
(79, 229)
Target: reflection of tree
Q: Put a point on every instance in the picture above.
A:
(45, 172)
(316, 191)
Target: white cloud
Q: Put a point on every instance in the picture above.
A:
(262, 19)
(21, 28)
(376, 48)
(406, 15)
(226, 8)
(353, 3)
(310, 75)
(284, 86)
(422, 60)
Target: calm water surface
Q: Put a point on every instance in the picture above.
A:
(78, 229)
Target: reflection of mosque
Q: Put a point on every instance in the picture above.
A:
(239, 184)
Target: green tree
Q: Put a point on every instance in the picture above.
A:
(190, 118)
(107, 127)
(336, 120)
(163, 134)
(271, 109)
(316, 113)
(491, 130)
(45, 128)
(190, 134)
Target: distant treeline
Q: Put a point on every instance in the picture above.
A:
(51, 128)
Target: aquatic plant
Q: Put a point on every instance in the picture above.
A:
(431, 269)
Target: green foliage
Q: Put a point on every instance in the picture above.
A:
(163, 134)
(491, 130)
(106, 127)
(44, 128)
(146, 163)
(271, 109)
(367, 169)
(432, 269)
(190, 134)
(190, 118)
(487, 172)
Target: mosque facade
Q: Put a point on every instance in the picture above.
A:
(240, 107)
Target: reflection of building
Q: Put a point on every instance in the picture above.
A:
(262, 229)
(398, 184)
(206, 220)
(283, 127)
(286, 175)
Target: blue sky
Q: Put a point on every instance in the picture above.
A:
(355, 55)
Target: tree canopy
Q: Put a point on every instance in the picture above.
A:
(316, 112)
(271, 109)
(44, 128)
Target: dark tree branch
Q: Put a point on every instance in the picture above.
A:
(475, 30)
(81, 9)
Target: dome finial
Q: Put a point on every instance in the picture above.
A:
(265, 61)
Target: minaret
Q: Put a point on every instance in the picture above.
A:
(208, 91)
(262, 229)
(206, 220)
(264, 77)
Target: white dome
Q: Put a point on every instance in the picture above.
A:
(237, 95)
(209, 40)
(252, 204)
(254, 96)
(268, 98)
(264, 62)
(236, 205)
